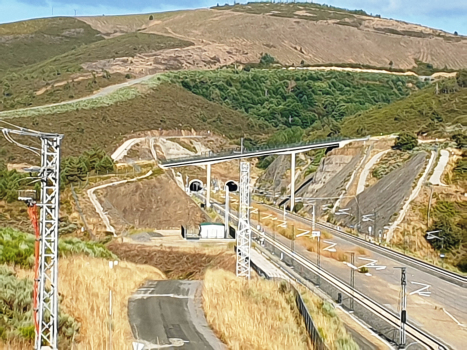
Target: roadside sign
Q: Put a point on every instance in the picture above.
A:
(315, 233)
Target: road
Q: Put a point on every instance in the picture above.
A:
(168, 315)
(435, 178)
(366, 170)
(383, 286)
(101, 93)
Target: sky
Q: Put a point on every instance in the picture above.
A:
(449, 15)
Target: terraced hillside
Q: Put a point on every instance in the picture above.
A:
(297, 35)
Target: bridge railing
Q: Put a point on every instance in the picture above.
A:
(225, 153)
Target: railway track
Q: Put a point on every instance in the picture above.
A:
(407, 260)
(377, 309)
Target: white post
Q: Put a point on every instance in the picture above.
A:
(292, 182)
(226, 218)
(208, 186)
(313, 226)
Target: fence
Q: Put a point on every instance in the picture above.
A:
(318, 342)
(316, 339)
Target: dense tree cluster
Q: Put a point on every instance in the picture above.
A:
(73, 169)
(76, 168)
(296, 97)
(406, 142)
(9, 184)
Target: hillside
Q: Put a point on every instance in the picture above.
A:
(297, 98)
(57, 59)
(425, 111)
(297, 34)
(28, 42)
(70, 76)
(166, 106)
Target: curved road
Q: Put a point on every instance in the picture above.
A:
(100, 93)
(168, 315)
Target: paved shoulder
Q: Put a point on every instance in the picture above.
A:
(168, 315)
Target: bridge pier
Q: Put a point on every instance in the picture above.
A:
(292, 181)
(208, 186)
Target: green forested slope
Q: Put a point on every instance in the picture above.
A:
(423, 112)
(297, 98)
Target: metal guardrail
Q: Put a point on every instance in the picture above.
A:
(424, 266)
(406, 259)
(226, 153)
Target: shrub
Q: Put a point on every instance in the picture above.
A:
(265, 162)
(448, 231)
(462, 78)
(16, 306)
(462, 265)
(266, 59)
(297, 207)
(151, 17)
(460, 140)
(406, 142)
(363, 269)
(18, 248)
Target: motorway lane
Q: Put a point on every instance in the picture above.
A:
(168, 314)
(384, 286)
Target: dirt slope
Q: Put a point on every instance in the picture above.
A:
(153, 203)
(244, 37)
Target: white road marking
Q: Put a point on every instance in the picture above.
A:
(331, 247)
(422, 291)
(162, 295)
(458, 323)
(372, 263)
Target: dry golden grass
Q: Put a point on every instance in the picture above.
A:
(253, 315)
(84, 284)
(329, 325)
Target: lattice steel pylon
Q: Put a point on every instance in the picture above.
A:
(244, 230)
(49, 175)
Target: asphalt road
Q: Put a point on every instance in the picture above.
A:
(168, 315)
(383, 286)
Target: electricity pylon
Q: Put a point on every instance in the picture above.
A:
(244, 230)
(49, 175)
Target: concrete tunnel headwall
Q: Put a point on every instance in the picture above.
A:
(232, 185)
(195, 185)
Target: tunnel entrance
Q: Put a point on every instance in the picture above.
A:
(196, 185)
(232, 185)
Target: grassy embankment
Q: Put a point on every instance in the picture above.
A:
(165, 106)
(261, 314)
(84, 282)
(253, 315)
